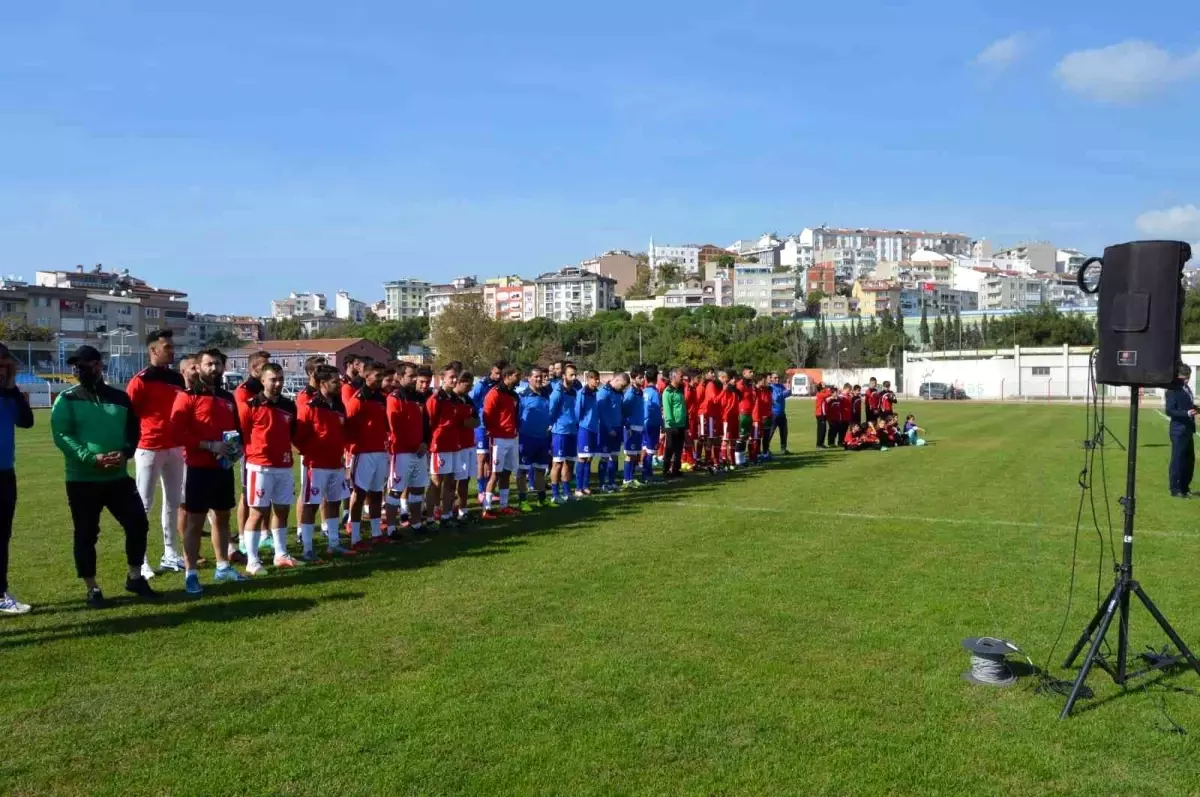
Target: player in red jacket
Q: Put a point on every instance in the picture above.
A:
(762, 416)
(411, 436)
(367, 436)
(730, 401)
(159, 457)
(302, 398)
(251, 386)
(833, 416)
(871, 396)
(320, 439)
(501, 418)
(819, 399)
(201, 419)
(445, 420)
(467, 460)
(710, 427)
(887, 399)
(268, 426)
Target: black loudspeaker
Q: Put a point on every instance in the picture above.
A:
(1140, 311)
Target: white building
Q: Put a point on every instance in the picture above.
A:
(686, 257)
(405, 298)
(765, 250)
(573, 293)
(1068, 261)
(348, 309)
(752, 286)
(299, 304)
(440, 296)
(889, 245)
(1031, 256)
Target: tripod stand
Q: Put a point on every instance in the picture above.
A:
(1118, 598)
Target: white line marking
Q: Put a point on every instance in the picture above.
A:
(916, 518)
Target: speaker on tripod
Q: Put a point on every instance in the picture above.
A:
(1139, 320)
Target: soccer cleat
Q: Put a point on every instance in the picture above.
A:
(140, 587)
(584, 491)
(362, 546)
(191, 584)
(148, 571)
(95, 599)
(507, 511)
(10, 605)
(172, 562)
(266, 543)
(525, 506)
(286, 562)
(256, 569)
(223, 574)
(337, 550)
(488, 515)
(238, 558)
(785, 452)
(308, 557)
(580, 495)
(382, 539)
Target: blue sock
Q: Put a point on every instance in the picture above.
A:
(628, 469)
(580, 480)
(554, 490)
(647, 467)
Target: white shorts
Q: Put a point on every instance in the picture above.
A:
(443, 463)
(369, 471)
(467, 465)
(267, 487)
(409, 472)
(506, 456)
(319, 485)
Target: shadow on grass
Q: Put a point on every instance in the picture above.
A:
(194, 612)
(475, 540)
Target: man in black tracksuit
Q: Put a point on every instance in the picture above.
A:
(1181, 409)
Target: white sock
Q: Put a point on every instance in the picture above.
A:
(404, 505)
(355, 531)
(190, 573)
(376, 527)
(332, 532)
(232, 549)
(251, 547)
(487, 501)
(306, 536)
(503, 499)
(279, 537)
(462, 513)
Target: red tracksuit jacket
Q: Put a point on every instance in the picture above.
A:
(200, 416)
(367, 422)
(501, 411)
(267, 429)
(446, 414)
(320, 433)
(152, 393)
(407, 421)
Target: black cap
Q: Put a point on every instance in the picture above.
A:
(84, 354)
(159, 334)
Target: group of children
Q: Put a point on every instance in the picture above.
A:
(858, 420)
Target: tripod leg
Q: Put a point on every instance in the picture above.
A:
(1088, 660)
(1122, 637)
(1087, 633)
(1166, 626)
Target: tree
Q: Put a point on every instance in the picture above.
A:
(15, 328)
(726, 261)
(956, 332)
(924, 326)
(224, 339)
(464, 331)
(812, 302)
(284, 329)
(640, 289)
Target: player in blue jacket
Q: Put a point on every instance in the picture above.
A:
(779, 397)
(588, 441)
(652, 426)
(564, 430)
(608, 404)
(534, 439)
(483, 444)
(633, 414)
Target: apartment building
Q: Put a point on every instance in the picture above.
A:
(573, 293)
(348, 309)
(299, 304)
(439, 297)
(509, 298)
(405, 298)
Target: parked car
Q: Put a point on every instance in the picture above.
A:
(940, 390)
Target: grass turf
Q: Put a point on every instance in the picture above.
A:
(790, 631)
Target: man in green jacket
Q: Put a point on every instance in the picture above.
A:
(675, 423)
(94, 426)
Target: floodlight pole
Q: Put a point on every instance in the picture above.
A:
(1118, 597)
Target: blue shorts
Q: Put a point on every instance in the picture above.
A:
(610, 441)
(633, 440)
(483, 443)
(650, 436)
(587, 442)
(535, 452)
(562, 447)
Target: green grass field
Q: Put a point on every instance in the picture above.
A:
(794, 630)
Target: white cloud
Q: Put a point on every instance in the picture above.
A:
(1181, 222)
(1126, 71)
(1002, 53)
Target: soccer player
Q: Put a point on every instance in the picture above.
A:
(268, 427)
(692, 386)
(352, 380)
(203, 417)
(588, 438)
(534, 438)
(564, 435)
(710, 411)
(887, 399)
(745, 417)
(762, 417)
(731, 399)
(608, 408)
(819, 402)
(779, 396)
(320, 439)
(14, 413)
(250, 387)
(445, 419)
(651, 424)
(502, 419)
(856, 405)
(554, 375)
(94, 426)
(311, 388)
(872, 400)
(633, 414)
(367, 434)
(675, 422)
(158, 458)
(466, 444)
(411, 436)
(833, 414)
(483, 445)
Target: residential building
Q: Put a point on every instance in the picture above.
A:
(687, 257)
(439, 297)
(876, 297)
(796, 254)
(299, 304)
(314, 325)
(618, 265)
(291, 354)
(718, 291)
(509, 298)
(248, 328)
(819, 277)
(1012, 292)
(709, 254)
(765, 250)
(405, 298)
(784, 292)
(1032, 256)
(893, 245)
(348, 309)
(838, 306)
(1068, 261)
(683, 298)
(573, 293)
(379, 309)
(935, 298)
(647, 306)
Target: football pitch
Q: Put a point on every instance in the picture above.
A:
(794, 629)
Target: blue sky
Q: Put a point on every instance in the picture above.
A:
(239, 150)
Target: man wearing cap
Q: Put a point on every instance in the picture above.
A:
(1181, 409)
(14, 412)
(159, 457)
(95, 427)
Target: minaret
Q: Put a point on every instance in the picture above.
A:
(650, 253)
